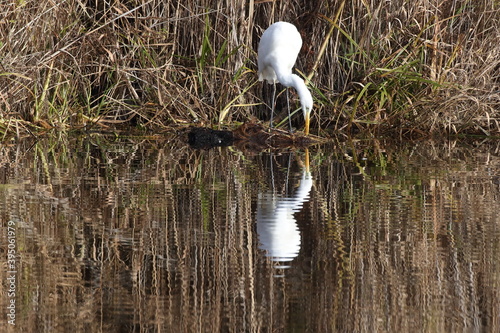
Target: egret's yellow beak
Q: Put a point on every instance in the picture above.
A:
(306, 129)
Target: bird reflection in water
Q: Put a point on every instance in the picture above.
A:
(277, 227)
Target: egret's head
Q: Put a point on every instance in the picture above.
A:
(307, 104)
(306, 99)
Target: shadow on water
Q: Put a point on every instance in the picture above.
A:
(129, 235)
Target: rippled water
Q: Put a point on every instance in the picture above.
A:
(100, 234)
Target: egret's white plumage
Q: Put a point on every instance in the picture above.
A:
(279, 47)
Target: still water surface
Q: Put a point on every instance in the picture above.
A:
(120, 235)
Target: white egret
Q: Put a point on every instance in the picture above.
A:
(279, 47)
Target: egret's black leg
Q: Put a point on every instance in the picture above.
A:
(288, 105)
(272, 106)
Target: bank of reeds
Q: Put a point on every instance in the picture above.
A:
(419, 66)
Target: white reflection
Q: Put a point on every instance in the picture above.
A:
(277, 227)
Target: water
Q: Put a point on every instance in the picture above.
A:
(138, 235)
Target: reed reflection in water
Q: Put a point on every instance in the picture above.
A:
(277, 227)
(122, 235)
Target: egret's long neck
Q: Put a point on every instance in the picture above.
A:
(304, 93)
(306, 101)
(299, 85)
(292, 80)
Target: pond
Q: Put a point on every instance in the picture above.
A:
(107, 234)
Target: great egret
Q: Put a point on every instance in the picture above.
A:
(278, 49)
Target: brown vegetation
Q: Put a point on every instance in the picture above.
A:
(419, 66)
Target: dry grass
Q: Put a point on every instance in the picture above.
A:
(419, 66)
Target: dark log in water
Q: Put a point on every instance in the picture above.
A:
(206, 138)
(251, 136)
